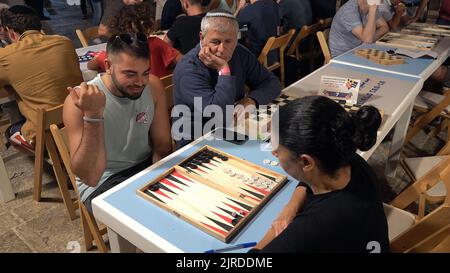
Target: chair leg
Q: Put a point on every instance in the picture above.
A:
(422, 207)
(61, 177)
(38, 168)
(87, 235)
(94, 230)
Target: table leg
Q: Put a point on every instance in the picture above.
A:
(6, 191)
(119, 244)
(398, 138)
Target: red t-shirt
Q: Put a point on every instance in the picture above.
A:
(161, 56)
(444, 12)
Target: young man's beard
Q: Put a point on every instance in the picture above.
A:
(122, 89)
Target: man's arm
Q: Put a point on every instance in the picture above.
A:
(291, 209)
(419, 11)
(167, 39)
(397, 18)
(366, 33)
(160, 129)
(86, 139)
(240, 6)
(382, 28)
(93, 64)
(286, 216)
(193, 84)
(103, 30)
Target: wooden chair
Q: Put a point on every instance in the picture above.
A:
(426, 232)
(426, 186)
(274, 43)
(323, 41)
(326, 23)
(44, 141)
(304, 33)
(430, 106)
(91, 230)
(87, 35)
(168, 86)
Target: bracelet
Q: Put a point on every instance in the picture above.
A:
(95, 120)
(225, 71)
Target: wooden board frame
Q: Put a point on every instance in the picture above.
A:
(441, 30)
(215, 187)
(416, 42)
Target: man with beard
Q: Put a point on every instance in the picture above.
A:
(117, 124)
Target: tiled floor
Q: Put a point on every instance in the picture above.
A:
(28, 226)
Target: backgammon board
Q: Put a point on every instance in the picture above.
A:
(408, 41)
(214, 191)
(423, 28)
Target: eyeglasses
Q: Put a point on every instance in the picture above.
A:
(129, 38)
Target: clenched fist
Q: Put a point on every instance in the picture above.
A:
(88, 99)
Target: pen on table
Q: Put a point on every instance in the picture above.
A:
(230, 248)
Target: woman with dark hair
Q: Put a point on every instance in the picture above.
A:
(137, 19)
(336, 207)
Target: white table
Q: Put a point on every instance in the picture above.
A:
(89, 74)
(134, 222)
(394, 96)
(421, 68)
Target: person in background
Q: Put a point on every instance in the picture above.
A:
(394, 13)
(21, 67)
(322, 9)
(183, 35)
(171, 10)
(444, 13)
(295, 14)
(262, 19)
(228, 5)
(336, 206)
(356, 22)
(110, 10)
(137, 19)
(38, 6)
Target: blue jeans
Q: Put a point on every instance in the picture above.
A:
(97, 11)
(442, 21)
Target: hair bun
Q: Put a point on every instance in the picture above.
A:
(367, 120)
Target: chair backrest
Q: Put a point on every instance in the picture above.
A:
(421, 185)
(61, 141)
(430, 225)
(326, 23)
(274, 43)
(44, 140)
(45, 117)
(87, 35)
(323, 41)
(305, 32)
(423, 120)
(167, 81)
(90, 228)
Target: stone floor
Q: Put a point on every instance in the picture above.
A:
(28, 226)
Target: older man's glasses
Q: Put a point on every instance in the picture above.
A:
(129, 38)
